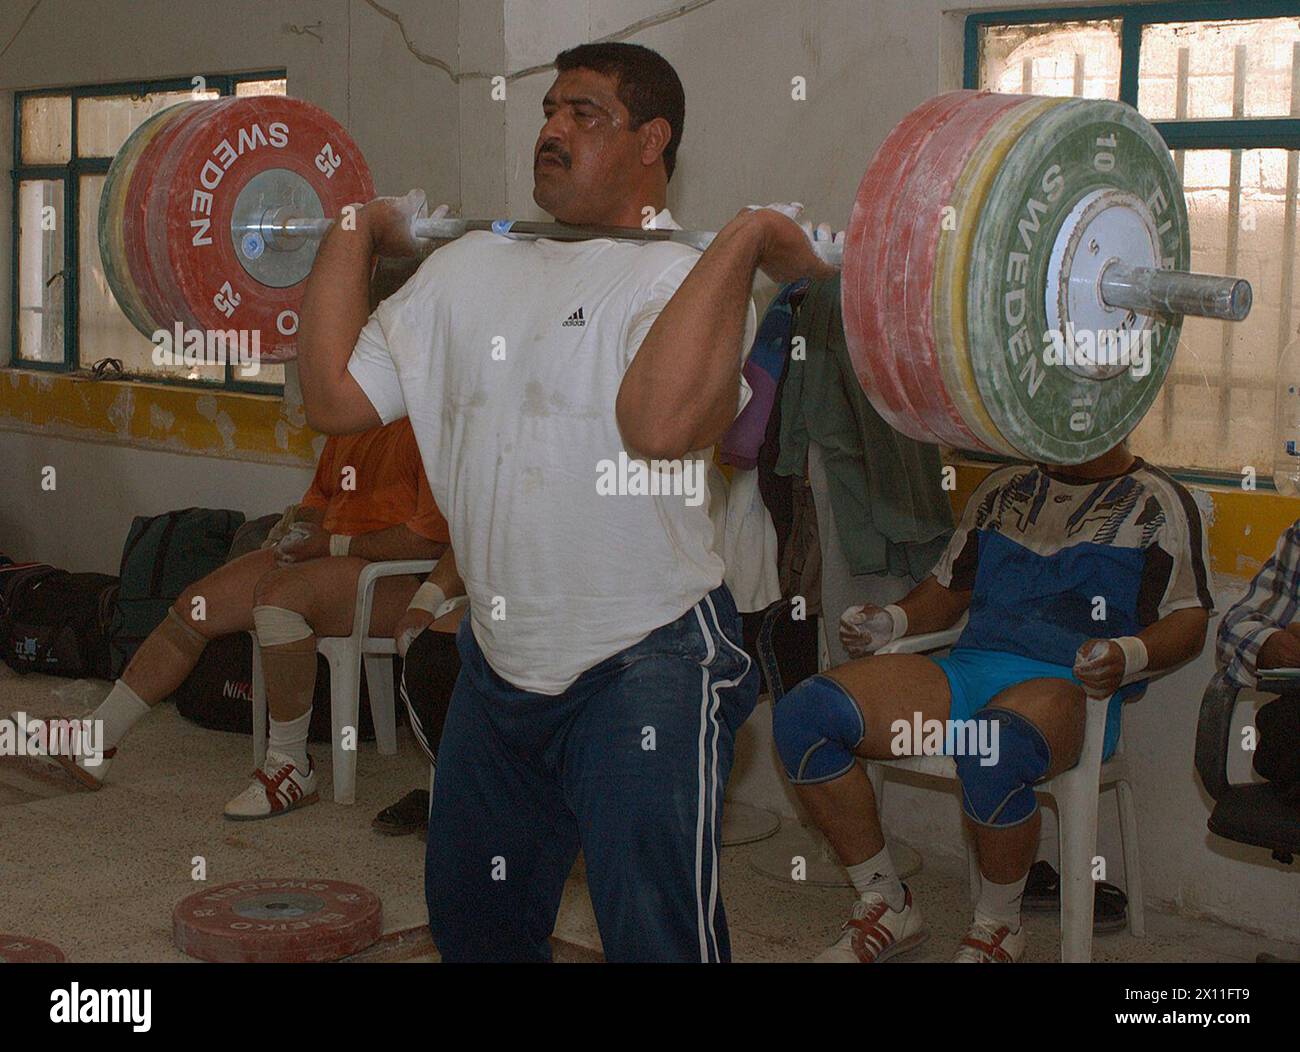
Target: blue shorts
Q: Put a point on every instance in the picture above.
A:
(975, 677)
(629, 764)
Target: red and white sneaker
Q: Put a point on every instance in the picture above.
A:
(277, 788)
(876, 933)
(991, 942)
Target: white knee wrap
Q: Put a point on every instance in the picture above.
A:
(277, 626)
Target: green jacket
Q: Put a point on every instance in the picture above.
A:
(891, 511)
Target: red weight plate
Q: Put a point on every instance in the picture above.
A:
(909, 268)
(870, 228)
(137, 219)
(20, 949)
(865, 350)
(298, 145)
(277, 920)
(160, 191)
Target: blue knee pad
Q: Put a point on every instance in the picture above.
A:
(1002, 794)
(817, 726)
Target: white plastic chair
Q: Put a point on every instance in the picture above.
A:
(345, 655)
(1075, 792)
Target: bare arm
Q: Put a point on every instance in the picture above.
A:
(446, 576)
(930, 607)
(1175, 638)
(335, 306)
(396, 542)
(681, 391)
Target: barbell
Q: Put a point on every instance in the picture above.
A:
(984, 224)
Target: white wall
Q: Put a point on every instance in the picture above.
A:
(82, 523)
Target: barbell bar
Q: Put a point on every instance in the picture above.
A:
(1146, 289)
(984, 224)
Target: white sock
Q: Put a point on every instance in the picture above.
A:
(1001, 902)
(289, 738)
(877, 875)
(119, 712)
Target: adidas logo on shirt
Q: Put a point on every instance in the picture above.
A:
(576, 318)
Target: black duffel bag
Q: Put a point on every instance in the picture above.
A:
(56, 622)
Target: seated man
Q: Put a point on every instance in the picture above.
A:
(1260, 630)
(1080, 582)
(368, 502)
(426, 640)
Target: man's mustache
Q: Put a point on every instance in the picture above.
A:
(557, 153)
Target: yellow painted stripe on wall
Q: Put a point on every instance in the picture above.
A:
(228, 424)
(1243, 529)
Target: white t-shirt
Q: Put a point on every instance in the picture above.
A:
(507, 355)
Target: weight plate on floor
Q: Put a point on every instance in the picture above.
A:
(1047, 410)
(929, 206)
(22, 949)
(952, 270)
(236, 166)
(112, 206)
(866, 243)
(280, 920)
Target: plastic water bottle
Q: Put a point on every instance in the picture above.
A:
(1286, 435)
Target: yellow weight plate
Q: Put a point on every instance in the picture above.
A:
(952, 268)
(112, 203)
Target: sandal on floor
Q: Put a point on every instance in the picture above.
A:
(409, 815)
(1043, 895)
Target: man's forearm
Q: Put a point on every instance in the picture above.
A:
(446, 576)
(335, 306)
(680, 392)
(396, 542)
(930, 607)
(1175, 638)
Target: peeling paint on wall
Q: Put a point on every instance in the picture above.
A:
(161, 419)
(175, 419)
(121, 411)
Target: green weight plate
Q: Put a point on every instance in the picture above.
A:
(952, 269)
(1047, 411)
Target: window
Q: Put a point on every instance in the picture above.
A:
(65, 316)
(1222, 85)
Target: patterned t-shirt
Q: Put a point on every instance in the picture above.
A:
(1053, 559)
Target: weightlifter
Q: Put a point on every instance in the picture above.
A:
(1080, 583)
(368, 501)
(603, 678)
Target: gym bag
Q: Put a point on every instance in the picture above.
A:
(56, 622)
(164, 555)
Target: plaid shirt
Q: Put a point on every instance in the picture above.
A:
(1269, 605)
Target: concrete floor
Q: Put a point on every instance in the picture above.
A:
(98, 873)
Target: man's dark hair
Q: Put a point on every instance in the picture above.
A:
(646, 84)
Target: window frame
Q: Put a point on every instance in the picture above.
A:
(70, 174)
(1233, 133)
